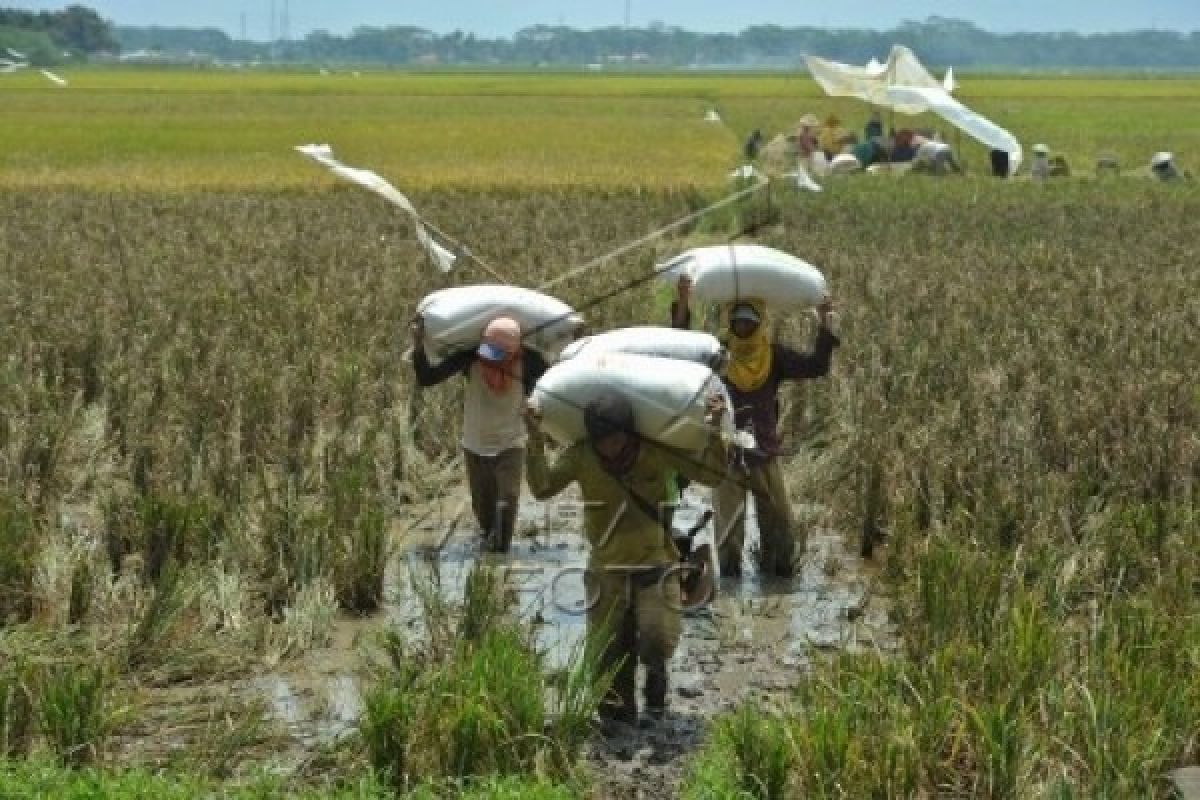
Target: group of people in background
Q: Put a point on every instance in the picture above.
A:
(827, 147)
(633, 578)
(1045, 164)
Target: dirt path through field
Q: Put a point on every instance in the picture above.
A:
(755, 642)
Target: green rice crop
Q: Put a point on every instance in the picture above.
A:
(208, 429)
(176, 130)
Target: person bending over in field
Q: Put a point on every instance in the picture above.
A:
(756, 369)
(1163, 167)
(632, 579)
(500, 375)
(934, 157)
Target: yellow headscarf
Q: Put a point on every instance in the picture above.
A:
(749, 359)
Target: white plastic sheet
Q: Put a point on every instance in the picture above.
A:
(976, 125)
(323, 155)
(904, 85)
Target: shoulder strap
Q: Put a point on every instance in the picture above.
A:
(642, 504)
(649, 510)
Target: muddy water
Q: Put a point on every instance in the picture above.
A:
(756, 641)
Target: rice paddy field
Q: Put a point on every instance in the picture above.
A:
(159, 130)
(213, 459)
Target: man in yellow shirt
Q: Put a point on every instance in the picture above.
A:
(633, 575)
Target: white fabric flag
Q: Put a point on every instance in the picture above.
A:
(976, 125)
(904, 85)
(323, 155)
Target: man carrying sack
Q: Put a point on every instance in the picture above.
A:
(633, 578)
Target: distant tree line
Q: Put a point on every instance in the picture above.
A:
(939, 41)
(51, 37)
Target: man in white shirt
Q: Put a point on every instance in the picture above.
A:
(500, 376)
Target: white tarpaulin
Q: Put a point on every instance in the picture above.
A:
(323, 155)
(904, 85)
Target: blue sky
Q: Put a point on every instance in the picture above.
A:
(492, 18)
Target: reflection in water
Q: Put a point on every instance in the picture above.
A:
(760, 634)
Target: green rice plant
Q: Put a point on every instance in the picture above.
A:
(1136, 540)
(1117, 763)
(177, 531)
(497, 722)
(855, 731)
(485, 602)
(575, 694)
(1137, 678)
(710, 778)
(473, 697)
(297, 542)
(30, 780)
(829, 741)
(18, 553)
(362, 567)
(360, 520)
(1062, 788)
(386, 729)
(1025, 653)
(74, 710)
(945, 611)
(150, 638)
(16, 709)
(939, 727)
(761, 755)
(1000, 745)
(482, 713)
(517, 787)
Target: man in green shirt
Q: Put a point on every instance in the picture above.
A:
(632, 580)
